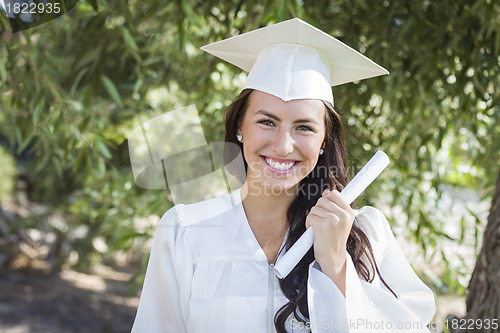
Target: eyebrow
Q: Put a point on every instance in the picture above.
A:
(272, 116)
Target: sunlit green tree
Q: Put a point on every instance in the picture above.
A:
(73, 88)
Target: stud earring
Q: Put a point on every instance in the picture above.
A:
(321, 151)
(239, 137)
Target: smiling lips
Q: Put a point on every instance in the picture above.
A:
(278, 164)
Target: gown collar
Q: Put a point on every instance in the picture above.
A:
(237, 201)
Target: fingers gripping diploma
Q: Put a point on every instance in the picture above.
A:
(331, 219)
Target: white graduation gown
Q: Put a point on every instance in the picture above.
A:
(208, 273)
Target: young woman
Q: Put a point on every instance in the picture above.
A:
(211, 265)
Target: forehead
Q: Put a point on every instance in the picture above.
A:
(313, 109)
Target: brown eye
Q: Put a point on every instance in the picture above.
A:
(266, 122)
(305, 128)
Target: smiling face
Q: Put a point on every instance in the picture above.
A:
(281, 140)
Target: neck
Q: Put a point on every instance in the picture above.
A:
(266, 214)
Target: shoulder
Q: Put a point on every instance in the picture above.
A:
(376, 227)
(184, 215)
(371, 220)
(173, 216)
(186, 224)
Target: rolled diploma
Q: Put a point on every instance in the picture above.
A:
(358, 184)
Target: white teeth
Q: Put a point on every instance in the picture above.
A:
(280, 166)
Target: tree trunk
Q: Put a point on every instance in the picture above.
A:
(483, 299)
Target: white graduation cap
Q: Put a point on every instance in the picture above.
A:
(294, 60)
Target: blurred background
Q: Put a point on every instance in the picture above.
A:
(75, 229)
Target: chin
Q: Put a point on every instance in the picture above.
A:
(279, 188)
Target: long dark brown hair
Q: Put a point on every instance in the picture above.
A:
(330, 172)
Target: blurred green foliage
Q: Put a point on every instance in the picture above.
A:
(9, 174)
(73, 88)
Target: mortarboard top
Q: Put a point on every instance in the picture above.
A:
(294, 60)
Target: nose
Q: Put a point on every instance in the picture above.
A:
(284, 143)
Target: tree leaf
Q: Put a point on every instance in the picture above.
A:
(129, 40)
(3, 72)
(497, 40)
(88, 57)
(462, 229)
(57, 167)
(94, 5)
(103, 149)
(38, 109)
(111, 89)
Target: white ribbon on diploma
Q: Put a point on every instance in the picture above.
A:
(358, 184)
